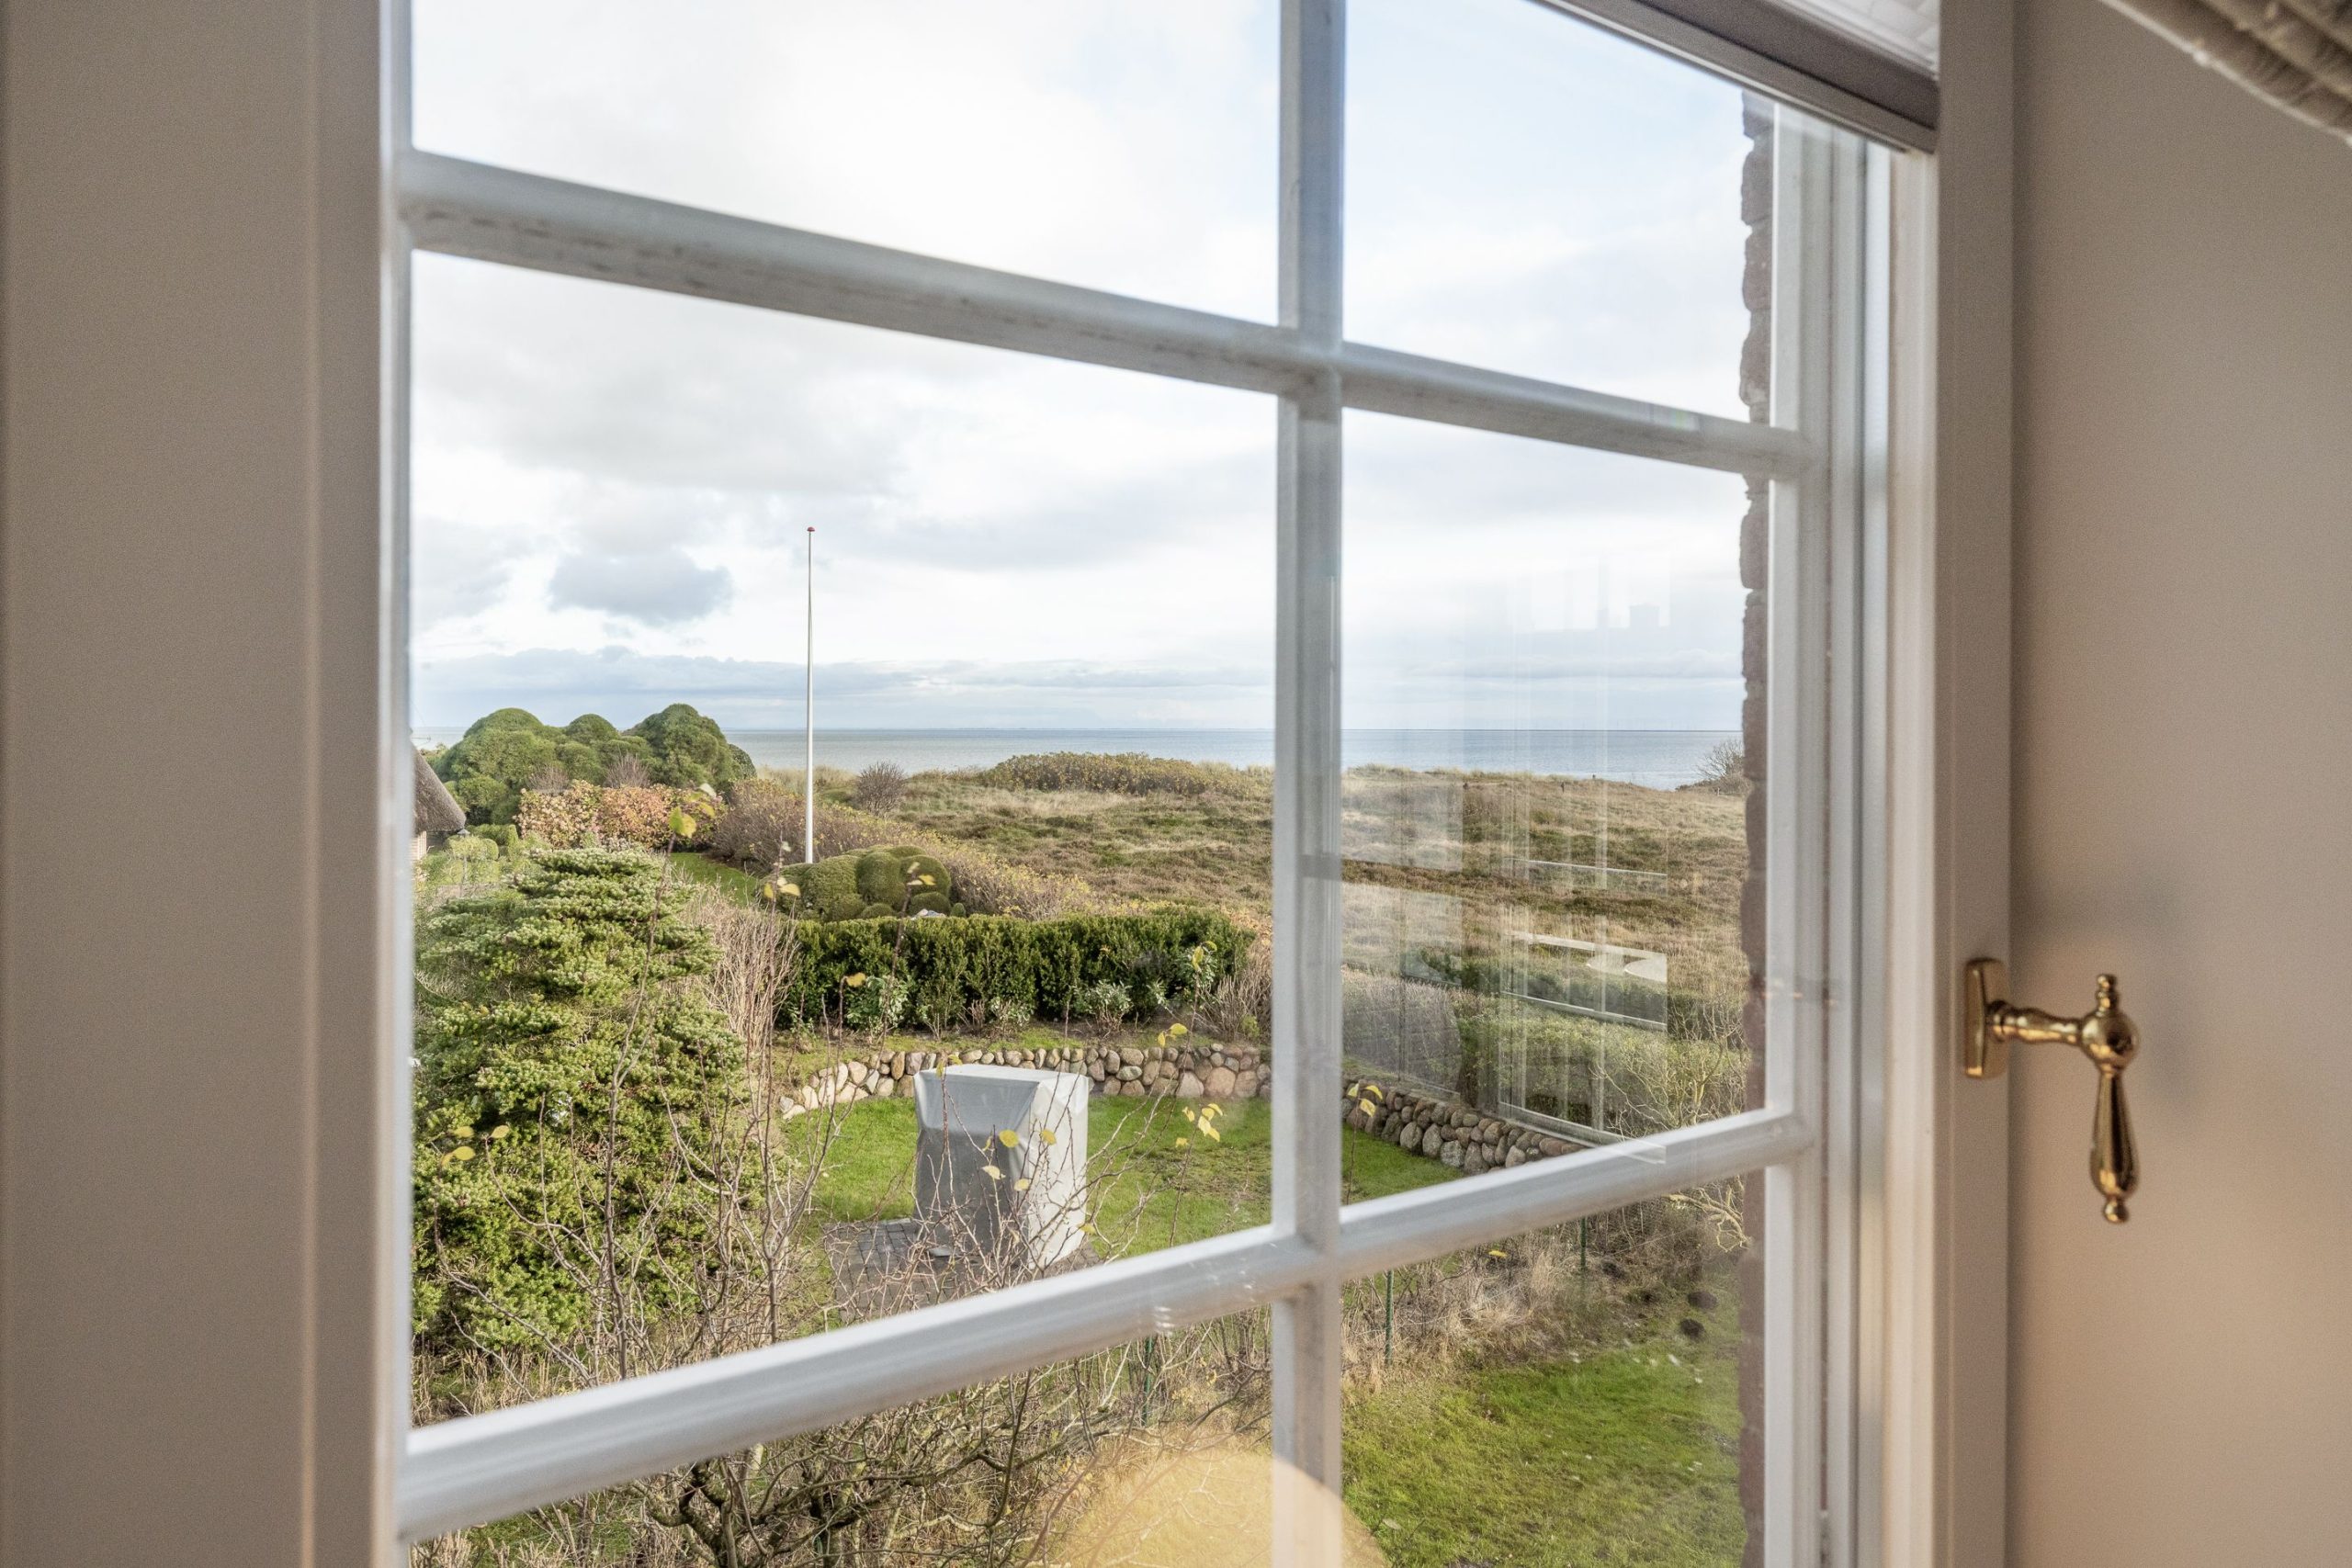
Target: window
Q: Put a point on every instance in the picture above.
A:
(1587, 991)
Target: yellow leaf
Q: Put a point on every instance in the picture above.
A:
(768, 892)
(1163, 1037)
(1188, 1113)
(499, 1131)
(1008, 1137)
(457, 1156)
(1184, 1143)
(1022, 1185)
(789, 890)
(1215, 1137)
(994, 1174)
(927, 880)
(681, 824)
(1367, 1107)
(853, 981)
(1049, 1136)
(1497, 1252)
(1373, 1089)
(1178, 1029)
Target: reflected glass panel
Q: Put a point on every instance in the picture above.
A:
(1552, 902)
(1129, 148)
(686, 1082)
(1583, 1394)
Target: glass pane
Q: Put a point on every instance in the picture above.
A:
(1534, 194)
(1585, 1395)
(1130, 148)
(1152, 1454)
(681, 1091)
(1548, 793)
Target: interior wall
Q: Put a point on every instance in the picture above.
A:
(199, 1245)
(2180, 1392)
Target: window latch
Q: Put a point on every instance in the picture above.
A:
(2110, 1039)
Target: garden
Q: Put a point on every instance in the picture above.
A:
(666, 1109)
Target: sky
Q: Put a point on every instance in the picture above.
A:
(612, 488)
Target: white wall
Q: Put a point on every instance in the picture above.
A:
(2181, 1388)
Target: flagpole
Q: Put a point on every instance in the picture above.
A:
(808, 716)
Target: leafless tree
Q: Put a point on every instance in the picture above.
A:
(879, 787)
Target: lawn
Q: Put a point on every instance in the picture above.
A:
(695, 867)
(1625, 1454)
(1162, 1181)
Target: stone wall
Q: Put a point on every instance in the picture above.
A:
(1204, 1071)
(1446, 1130)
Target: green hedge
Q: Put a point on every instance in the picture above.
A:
(1042, 965)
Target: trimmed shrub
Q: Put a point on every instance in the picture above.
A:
(509, 751)
(689, 750)
(887, 880)
(880, 879)
(766, 814)
(1044, 966)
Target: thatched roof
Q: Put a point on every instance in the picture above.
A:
(437, 810)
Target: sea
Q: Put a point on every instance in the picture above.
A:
(1661, 758)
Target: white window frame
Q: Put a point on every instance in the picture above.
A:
(1811, 1144)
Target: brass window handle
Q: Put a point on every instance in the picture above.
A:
(2103, 1034)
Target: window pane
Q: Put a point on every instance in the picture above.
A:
(680, 1093)
(1547, 801)
(1152, 1454)
(1534, 194)
(1578, 1396)
(1130, 148)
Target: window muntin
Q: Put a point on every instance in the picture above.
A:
(474, 1468)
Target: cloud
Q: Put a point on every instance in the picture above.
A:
(659, 588)
(464, 572)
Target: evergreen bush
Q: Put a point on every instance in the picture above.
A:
(570, 1082)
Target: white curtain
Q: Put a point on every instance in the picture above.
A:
(2296, 53)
